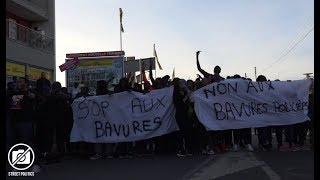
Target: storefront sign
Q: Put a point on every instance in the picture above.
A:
(15, 69)
(96, 54)
(35, 73)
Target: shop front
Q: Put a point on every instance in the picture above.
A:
(14, 69)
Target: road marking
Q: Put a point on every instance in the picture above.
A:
(225, 164)
(272, 175)
(267, 169)
(211, 157)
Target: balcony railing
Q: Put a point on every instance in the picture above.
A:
(17, 32)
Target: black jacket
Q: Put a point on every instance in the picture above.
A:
(21, 107)
(42, 83)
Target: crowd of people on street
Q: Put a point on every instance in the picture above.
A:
(43, 118)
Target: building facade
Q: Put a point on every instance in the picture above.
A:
(30, 39)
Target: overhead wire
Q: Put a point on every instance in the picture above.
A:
(294, 43)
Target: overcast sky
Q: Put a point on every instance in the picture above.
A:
(236, 35)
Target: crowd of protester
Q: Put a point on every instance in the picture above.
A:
(43, 118)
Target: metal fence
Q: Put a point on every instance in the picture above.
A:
(29, 37)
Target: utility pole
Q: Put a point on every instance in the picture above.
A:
(255, 72)
(245, 75)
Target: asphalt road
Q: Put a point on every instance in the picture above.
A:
(240, 165)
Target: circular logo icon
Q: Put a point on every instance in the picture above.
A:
(21, 156)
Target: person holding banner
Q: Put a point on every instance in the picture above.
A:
(202, 136)
(221, 139)
(279, 133)
(181, 102)
(101, 149)
(123, 149)
(241, 136)
(264, 133)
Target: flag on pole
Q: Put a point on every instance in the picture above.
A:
(121, 14)
(173, 74)
(156, 56)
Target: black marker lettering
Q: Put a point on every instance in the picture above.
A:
(160, 102)
(104, 105)
(217, 111)
(253, 108)
(250, 85)
(83, 107)
(144, 106)
(117, 130)
(224, 89)
(135, 125)
(206, 91)
(95, 104)
(157, 120)
(229, 110)
(260, 86)
(108, 127)
(239, 113)
(126, 130)
(99, 128)
(146, 124)
(270, 85)
(234, 88)
(138, 104)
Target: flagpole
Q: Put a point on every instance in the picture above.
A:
(155, 66)
(120, 37)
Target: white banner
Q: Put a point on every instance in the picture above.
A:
(123, 117)
(236, 104)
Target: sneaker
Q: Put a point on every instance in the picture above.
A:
(217, 149)
(250, 148)
(130, 155)
(188, 153)
(210, 152)
(110, 156)
(203, 152)
(282, 148)
(45, 154)
(36, 168)
(181, 154)
(235, 148)
(96, 156)
(138, 154)
(294, 149)
(223, 147)
(266, 148)
(304, 148)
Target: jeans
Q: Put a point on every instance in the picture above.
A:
(279, 134)
(265, 136)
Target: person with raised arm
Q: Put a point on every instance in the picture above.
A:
(212, 77)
